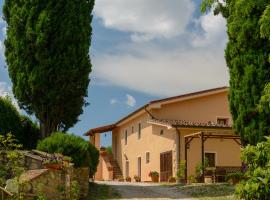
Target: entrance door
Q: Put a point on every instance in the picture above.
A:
(165, 165)
(139, 166)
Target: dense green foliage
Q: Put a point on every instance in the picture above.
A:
(82, 152)
(247, 56)
(9, 117)
(257, 182)
(47, 53)
(25, 131)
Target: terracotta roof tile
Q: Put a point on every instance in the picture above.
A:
(184, 123)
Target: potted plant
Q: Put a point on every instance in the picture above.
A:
(103, 151)
(53, 162)
(120, 178)
(154, 176)
(180, 174)
(137, 178)
(128, 179)
(172, 179)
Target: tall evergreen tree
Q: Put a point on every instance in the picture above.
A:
(247, 57)
(47, 53)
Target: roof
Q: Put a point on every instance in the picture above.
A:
(110, 127)
(187, 124)
(101, 129)
(190, 94)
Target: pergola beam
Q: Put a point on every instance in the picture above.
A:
(204, 136)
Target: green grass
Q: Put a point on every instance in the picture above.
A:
(210, 192)
(102, 192)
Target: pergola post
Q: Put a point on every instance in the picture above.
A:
(202, 147)
(186, 139)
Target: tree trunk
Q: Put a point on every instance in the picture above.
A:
(47, 127)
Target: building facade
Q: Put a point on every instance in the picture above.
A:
(161, 134)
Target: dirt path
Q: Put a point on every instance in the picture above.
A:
(144, 191)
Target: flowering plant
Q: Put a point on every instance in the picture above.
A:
(153, 174)
(53, 160)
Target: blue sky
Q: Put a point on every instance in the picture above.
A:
(144, 50)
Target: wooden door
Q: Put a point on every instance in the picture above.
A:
(165, 165)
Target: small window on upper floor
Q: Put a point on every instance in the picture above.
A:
(126, 137)
(222, 121)
(147, 157)
(139, 130)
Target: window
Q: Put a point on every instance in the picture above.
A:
(139, 130)
(147, 157)
(211, 158)
(126, 137)
(132, 129)
(222, 121)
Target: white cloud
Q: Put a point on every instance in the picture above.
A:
(6, 91)
(214, 31)
(114, 101)
(146, 19)
(192, 61)
(130, 100)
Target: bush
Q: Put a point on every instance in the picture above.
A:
(180, 174)
(256, 184)
(83, 153)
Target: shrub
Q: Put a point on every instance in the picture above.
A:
(83, 153)
(180, 174)
(10, 165)
(256, 184)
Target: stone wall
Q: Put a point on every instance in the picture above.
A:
(82, 176)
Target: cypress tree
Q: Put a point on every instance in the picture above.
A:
(47, 53)
(247, 57)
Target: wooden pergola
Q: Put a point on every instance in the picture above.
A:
(203, 137)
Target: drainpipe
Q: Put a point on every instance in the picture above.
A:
(178, 146)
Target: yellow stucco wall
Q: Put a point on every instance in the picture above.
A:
(202, 109)
(151, 141)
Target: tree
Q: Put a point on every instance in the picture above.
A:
(9, 118)
(47, 53)
(22, 127)
(247, 57)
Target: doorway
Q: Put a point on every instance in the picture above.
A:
(165, 165)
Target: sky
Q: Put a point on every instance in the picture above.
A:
(144, 50)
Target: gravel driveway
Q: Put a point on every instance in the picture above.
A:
(144, 191)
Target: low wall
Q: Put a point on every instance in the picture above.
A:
(82, 176)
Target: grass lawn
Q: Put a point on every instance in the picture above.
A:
(100, 192)
(210, 192)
